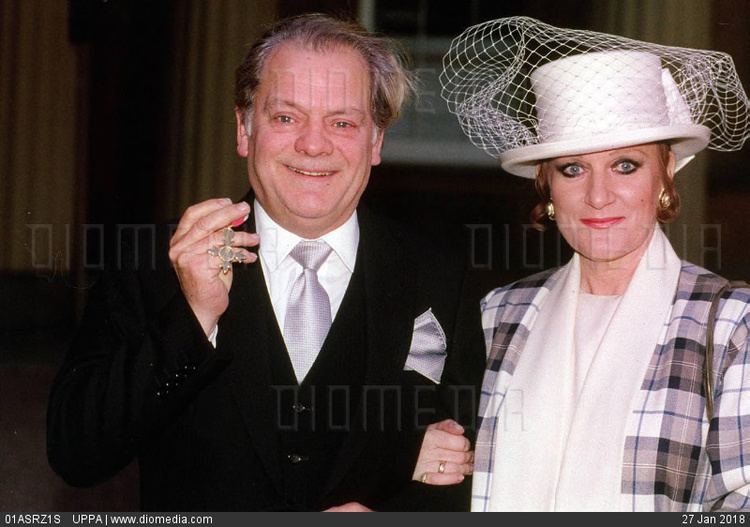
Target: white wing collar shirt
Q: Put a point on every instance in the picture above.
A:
(280, 270)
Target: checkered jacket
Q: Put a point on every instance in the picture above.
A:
(674, 459)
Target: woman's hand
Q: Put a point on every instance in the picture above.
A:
(445, 457)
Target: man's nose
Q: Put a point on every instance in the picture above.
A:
(314, 140)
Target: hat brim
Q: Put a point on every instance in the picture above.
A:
(685, 141)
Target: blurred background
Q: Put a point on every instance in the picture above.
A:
(118, 113)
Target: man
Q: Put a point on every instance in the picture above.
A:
(301, 381)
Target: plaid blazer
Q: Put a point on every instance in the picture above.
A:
(674, 459)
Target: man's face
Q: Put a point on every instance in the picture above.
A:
(312, 139)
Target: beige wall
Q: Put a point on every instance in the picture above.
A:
(41, 120)
(211, 40)
(43, 116)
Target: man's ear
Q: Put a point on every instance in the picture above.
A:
(243, 146)
(377, 145)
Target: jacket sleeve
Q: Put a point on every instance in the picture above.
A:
(729, 433)
(128, 369)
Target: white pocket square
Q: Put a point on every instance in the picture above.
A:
(427, 352)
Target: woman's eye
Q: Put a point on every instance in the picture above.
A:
(571, 170)
(626, 166)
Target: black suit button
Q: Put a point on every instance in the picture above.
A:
(299, 408)
(296, 459)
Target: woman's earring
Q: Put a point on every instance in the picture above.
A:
(551, 210)
(664, 200)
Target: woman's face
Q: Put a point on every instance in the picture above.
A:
(606, 202)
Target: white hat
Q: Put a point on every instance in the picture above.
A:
(525, 91)
(604, 100)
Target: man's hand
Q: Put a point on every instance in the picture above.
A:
(445, 456)
(352, 506)
(202, 281)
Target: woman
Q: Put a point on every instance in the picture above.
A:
(593, 397)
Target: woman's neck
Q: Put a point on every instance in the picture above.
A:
(609, 277)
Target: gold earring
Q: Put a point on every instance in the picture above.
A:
(551, 210)
(664, 200)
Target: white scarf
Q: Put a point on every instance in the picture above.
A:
(566, 452)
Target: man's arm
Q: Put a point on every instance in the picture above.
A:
(141, 353)
(127, 370)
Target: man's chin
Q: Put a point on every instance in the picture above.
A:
(312, 223)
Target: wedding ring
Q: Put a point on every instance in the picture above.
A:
(441, 467)
(226, 253)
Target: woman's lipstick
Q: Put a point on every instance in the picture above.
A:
(601, 223)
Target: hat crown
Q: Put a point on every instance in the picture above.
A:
(595, 93)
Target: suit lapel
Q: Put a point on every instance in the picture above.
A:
(390, 291)
(250, 333)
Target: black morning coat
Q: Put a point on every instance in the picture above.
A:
(229, 428)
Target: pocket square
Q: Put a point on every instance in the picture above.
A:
(427, 352)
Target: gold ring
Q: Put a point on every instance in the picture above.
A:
(441, 467)
(423, 479)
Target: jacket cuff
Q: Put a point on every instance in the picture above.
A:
(187, 356)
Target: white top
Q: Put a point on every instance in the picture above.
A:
(593, 314)
(280, 270)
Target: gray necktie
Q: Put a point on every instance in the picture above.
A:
(308, 314)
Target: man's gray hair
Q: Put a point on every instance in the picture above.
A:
(391, 83)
